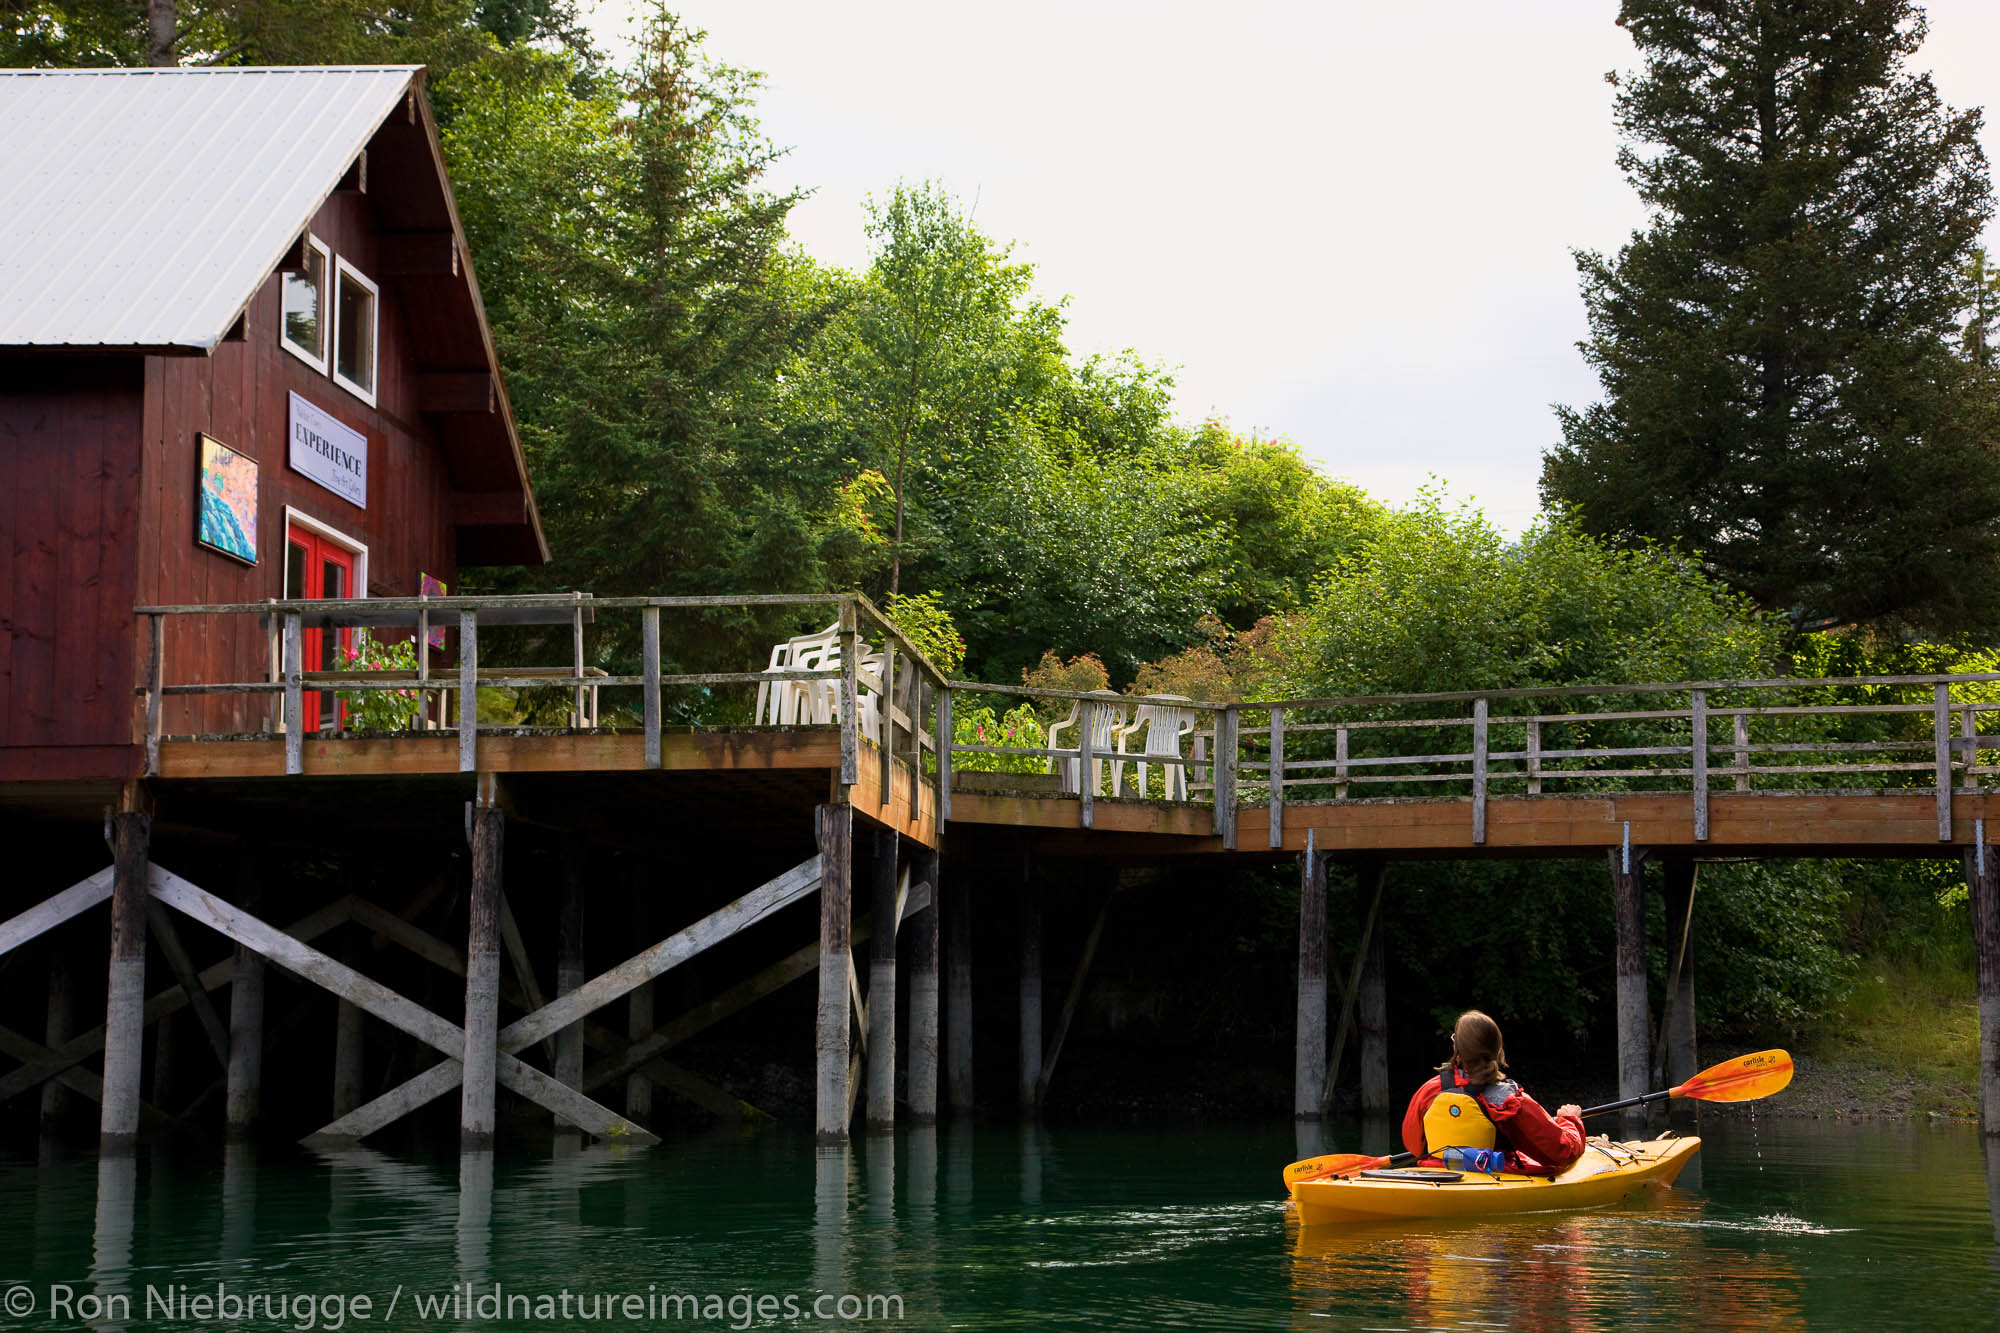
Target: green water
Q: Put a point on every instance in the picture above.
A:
(1784, 1224)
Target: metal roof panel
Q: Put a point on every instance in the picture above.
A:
(143, 207)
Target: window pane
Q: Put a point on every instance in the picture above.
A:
(304, 302)
(355, 358)
(295, 570)
(332, 581)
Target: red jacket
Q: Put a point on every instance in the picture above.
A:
(1540, 1142)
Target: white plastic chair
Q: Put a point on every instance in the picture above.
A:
(784, 703)
(1103, 711)
(1165, 718)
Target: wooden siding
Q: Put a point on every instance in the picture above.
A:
(240, 397)
(70, 469)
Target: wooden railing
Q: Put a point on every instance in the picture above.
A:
(1877, 733)
(911, 717)
(1911, 734)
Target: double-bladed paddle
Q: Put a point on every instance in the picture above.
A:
(1744, 1079)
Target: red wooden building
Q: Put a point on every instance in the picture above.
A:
(242, 356)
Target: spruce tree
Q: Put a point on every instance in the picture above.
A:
(1787, 384)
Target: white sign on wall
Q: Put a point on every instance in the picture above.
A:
(328, 452)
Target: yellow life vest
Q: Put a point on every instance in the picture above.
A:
(1456, 1118)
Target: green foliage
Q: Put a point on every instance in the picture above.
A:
(1785, 384)
(927, 625)
(1080, 674)
(1018, 726)
(378, 710)
(1438, 600)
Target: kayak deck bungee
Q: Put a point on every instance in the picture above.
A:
(1606, 1173)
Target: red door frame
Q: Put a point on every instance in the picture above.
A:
(309, 561)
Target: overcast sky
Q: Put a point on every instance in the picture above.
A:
(1346, 224)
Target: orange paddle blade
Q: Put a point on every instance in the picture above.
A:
(1744, 1079)
(1335, 1164)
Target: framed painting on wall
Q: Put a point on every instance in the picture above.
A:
(431, 586)
(228, 521)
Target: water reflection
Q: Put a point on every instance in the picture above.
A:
(1126, 1228)
(475, 1214)
(239, 1202)
(832, 1166)
(111, 1237)
(1576, 1271)
(1989, 1146)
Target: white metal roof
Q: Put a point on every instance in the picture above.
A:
(142, 207)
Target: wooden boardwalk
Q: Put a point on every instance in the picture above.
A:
(855, 790)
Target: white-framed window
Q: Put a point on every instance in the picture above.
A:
(303, 311)
(355, 306)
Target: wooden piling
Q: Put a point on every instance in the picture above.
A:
(482, 975)
(881, 1112)
(568, 1064)
(836, 933)
(924, 941)
(1309, 1047)
(349, 1055)
(244, 1082)
(1982, 878)
(1678, 1035)
(1372, 1015)
(61, 1026)
(638, 1027)
(1030, 1083)
(956, 923)
(125, 993)
(1634, 1016)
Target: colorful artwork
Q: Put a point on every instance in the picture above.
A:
(228, 520)
(432, 587)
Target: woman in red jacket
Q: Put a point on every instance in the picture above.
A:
(1472, 1107)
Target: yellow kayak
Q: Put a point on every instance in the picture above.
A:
(1606, 1173)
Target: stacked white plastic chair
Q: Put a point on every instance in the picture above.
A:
(787, 703)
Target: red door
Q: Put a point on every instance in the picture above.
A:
(315, 567)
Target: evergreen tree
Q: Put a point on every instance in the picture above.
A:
(1786, 384)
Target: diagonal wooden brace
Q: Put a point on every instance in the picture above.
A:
(86, 1044)
(52, 911)
(594, 994)
(372, 997)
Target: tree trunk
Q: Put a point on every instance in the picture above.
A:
(162, 19)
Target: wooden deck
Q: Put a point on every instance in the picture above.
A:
(784, 754)
(1857, 823)
(1740, 824)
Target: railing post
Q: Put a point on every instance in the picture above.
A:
(1478, 771)
(422, 720)
(579, 718)
(649, 648)
(1340, 763)
(1941, 729)
(888, 712)
(945, 736)
(1227, 730)
(1277, 776)
(1742, 747)
(1086, 780)
(1534, 748)
(850, 758)
(1698, 717)
(468, 691)
(1968, 731)
(156, 628)
(295, 705)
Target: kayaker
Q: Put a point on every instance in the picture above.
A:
(1473, 1107)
